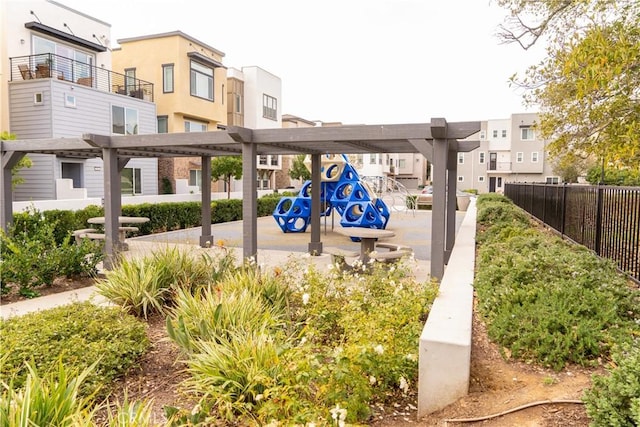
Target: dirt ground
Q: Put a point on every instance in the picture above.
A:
(496, 385)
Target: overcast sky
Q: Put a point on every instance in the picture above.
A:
(353, 61)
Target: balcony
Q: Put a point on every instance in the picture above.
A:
(48, 66)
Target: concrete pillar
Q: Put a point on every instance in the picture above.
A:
(249, 201)
(438, 217)
(452, 183)
(9, 160)
(112, 205)
(315, 245)
(206, 203)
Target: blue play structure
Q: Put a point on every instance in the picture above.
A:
(342, 190)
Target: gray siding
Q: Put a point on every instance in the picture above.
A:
(91, 114)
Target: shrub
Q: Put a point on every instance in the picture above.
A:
(77, 335)
(614, 400)
(50, 400)
(546, 300)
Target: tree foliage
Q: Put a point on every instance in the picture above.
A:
(226, 167)
(588, 86)
(299, 169)
(24, 162)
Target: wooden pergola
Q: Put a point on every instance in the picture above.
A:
(438, 141)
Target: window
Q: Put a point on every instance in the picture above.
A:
(195, 177)
(483, 134)
(63, 65)
(274, 161)
(534, 157)
(167, 78)
(504, 133)
(193, 126)
(481, 179)
(269, 107)
(163, 124)
(495, 133)
(201, 81)
(527, 134)
(519, 157)
(129, 80)
(372, 159)
(460, 178)
(38, 99)
(69, 100)
(402, 163)
(481, 157)
(460, 158)
(238, 102)
(499, 182)
(131, 181)
(262, 159)
(552, 180)
(124, 121)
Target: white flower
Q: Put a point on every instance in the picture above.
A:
(411, 357)
(372, 380)
(379, 349)
(330, 267)
(392, 269)
(404, 385)
(305, 298)
(303, 340)
(339, 414)
(259, 397)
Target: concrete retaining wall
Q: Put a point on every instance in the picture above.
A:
(445, 343)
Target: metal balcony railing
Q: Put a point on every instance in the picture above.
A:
(48, 65)
(494, 166)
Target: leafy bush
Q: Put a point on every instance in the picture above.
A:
(317, 343)
(148, 285)
(544, 299)
(614, 400)
(77, 335)
(31, 257)
(51, 400)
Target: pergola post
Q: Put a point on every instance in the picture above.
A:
(112, 205)
(315, 245)
(438, 214)
(9, 160)
(452, 184)
(249, 201)
(206, 239)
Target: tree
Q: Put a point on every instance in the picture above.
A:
(299, 169)
(571, 167)
(24, 162)
(226, 167)
(588, 86)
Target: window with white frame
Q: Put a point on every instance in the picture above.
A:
(124, 121)
(481, 157)
(460, 158)
(372, 159)
(195, 177)
(262, 159)
(131, 181)
(504, 133)
(527, 134)
(495, 133)
(481, 179)
(552, 180)
(402, 163)
(519, 157)
(460, 178)
(269, 107)
(534, 157)
(483, 134)
(69, 100)
(201, 81)
(63, 64)
(194, 126)
(238, 103)
(167, 78)
(274, 160)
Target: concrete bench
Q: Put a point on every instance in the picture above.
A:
(78, 234)
(93, 236)
(338, 256)
(394, 247)
(389, 256)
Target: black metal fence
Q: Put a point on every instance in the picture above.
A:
(48, 65)
(605, 219)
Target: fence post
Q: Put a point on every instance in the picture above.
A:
(544, 204)
(599, 202)
(563, 207)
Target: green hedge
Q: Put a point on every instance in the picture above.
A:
(163, 216)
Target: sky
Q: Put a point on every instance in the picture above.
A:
(350, 61)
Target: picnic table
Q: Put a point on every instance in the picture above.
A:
(122, 230)
(368, 238)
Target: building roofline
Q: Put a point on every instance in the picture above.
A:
(79, 13)
(177, 33)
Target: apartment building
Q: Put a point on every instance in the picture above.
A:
(190, 96)
(510, 151)
(255, 102)
(60, 85)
